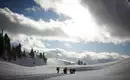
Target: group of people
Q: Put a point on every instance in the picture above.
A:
(71, 70)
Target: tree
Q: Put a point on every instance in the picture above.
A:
(7, 43)
(31, 53)
(24, 53)
(7, 46)
(80, 62)
(44, 58)
(18, 50)
(1, 45)
(40, 55)
(84, 63)
(13, 52)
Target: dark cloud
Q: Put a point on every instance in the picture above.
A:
(113, 13)
(12, 22)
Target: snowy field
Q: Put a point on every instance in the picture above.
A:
(118, 70)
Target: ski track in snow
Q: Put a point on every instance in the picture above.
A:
(118, 70)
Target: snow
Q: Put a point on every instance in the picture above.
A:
(29, 62)
(54, 61)
(118, 70)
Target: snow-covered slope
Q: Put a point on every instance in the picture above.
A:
(54, 61)
(29, 62)
(118, 70)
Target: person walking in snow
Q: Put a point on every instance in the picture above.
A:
(73, 70)
(58, 69)
(65, 70)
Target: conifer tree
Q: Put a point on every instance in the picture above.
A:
(84, 63)
(31, 53)
(79, 62)
(24, 53)
(44, 58)
(40, 55)
(1, 44)
(7, 46)
(7, 43)
(18, 51)
(13, 52)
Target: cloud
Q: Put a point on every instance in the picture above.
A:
(33, 9)
(60, 6)
(102, 20)
(114, 14)
(87, 56)
(29, 42)
(38, 44)
(68, 45)
(48, 44)
(19, 24)
(67, 30)
(47, 3)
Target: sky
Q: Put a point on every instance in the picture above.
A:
(85, 27)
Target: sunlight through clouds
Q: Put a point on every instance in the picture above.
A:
(68, 30)
(82, 25)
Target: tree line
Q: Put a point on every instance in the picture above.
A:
(10, 52)
(80, 62)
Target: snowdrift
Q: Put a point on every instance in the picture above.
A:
(119, 70)
(29, 62)
(111, 69)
